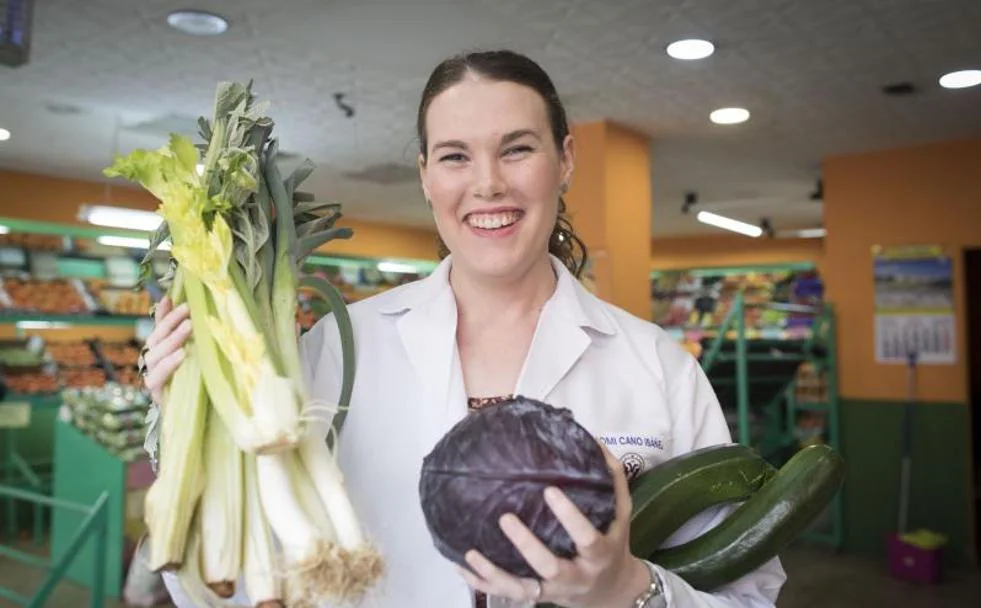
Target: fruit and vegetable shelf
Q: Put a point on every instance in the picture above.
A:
(780, 301)
(65, 278)
(34, 368)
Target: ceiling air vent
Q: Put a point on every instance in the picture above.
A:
(15, 31)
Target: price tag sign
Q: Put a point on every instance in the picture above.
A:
(15, 415)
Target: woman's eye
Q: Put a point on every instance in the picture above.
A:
(517, 150)
(453, 158)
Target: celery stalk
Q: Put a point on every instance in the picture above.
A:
(172, 498)
(263, 421)
(222, 508)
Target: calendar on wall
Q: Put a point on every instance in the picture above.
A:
(914, 305)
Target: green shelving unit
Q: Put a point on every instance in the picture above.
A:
(758, 384)
(752, 332)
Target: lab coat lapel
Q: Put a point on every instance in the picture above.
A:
(561, 337)
(427, 330)
(558, 343)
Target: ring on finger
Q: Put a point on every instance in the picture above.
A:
(141, 361)
(537, 595)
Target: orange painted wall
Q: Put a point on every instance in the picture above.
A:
(53, 199)
(709, 251)
(928, 194)
(609, 204)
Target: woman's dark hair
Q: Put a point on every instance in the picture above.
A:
(509, 66)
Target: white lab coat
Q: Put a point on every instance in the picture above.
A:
(625, 380)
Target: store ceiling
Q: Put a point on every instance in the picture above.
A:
(811, 72)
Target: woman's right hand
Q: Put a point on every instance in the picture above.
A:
(164, 347)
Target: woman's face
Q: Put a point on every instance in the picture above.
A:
(493, 175)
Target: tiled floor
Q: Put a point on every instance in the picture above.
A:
(816, 580)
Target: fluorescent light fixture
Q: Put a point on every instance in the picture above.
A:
(727, 223)
(812, 233)
(961, 79)
(123, 241)
(41, 325)
(4, 229)
(197, 23)
(690, 49)
(729, 116)
(396, 267)
(118, 217)
(4, 134)
(128, 242)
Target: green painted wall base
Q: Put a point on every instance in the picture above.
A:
(871, 445)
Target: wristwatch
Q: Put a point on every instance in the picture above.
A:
(653, 596)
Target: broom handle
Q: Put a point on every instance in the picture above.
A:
(907, 444)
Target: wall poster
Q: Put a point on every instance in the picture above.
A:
(914, 305)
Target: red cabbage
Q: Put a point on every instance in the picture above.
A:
(499, 460)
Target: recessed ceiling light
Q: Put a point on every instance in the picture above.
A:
(197, 23)
(692, 48)
(961, 79)
(4, 135)
(729, 116)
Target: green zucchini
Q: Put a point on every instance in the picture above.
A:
(670, 494)
(756, 531)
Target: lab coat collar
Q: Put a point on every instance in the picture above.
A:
(425, 315)
(570, 299)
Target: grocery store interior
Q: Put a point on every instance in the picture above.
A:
(789, 189)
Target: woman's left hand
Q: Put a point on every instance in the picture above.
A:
(603, 573)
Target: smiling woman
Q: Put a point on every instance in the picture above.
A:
(504, 315)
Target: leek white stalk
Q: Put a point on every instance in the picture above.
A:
(309, 498)
(317, 568)
(301, 541)
(328, 481)
(222, 509)
(359, 561)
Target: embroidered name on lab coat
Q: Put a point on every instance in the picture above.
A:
(633, 441)
(635, 452)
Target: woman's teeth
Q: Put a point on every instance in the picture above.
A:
(491, 221)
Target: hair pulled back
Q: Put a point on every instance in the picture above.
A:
(508, 66)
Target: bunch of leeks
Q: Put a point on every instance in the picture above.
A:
(248, 492)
